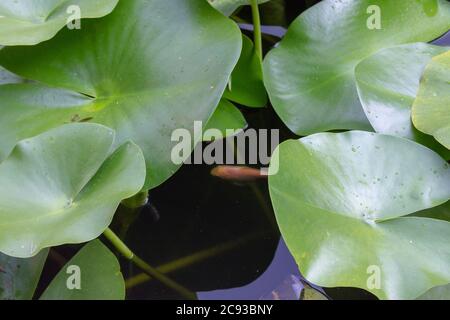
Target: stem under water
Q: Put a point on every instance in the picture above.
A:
(257, 29)
(149, 270)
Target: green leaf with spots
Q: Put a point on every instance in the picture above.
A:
(226, 117)
(28, 22)
(246, 84)
(341, 201)
(431, 109)
(63, 186)
(310, 75)
(388, 83)
(135, 71)
(19, 277)
(92, 274)
(227, 7)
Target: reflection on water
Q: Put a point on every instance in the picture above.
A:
(281, 281)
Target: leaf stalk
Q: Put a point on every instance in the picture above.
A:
(149, 270)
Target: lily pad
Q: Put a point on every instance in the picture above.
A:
(99, 276)
(246, 84)
(28, 22)
(135, 71)
(310, 75)
(19, 277)
(63, 186)
(431, 109)
(226, 116)
(388, 83)
(341, 201)
(227, 7)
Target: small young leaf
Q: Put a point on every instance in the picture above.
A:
(246, 82)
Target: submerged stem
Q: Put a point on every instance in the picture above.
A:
(257, 29)
(149, 270)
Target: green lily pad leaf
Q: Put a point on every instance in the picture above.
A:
(437, 293)
(92, 274)
(310, 75)
(388, 83)
(431, 109)
(340, 201)
(71, 182)
(227, 7)
(226, 117)
(246, 84)
(19, 277)
(28, 22)
(139, 72)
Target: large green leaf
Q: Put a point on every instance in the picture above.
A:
(145, 70)
(340, 201)
(431, 109)
(310, 76)
(227, 7)
(99, 276)
(28, 22)
(246, 84)
(63, 186)
(387, 85)
(19, 277)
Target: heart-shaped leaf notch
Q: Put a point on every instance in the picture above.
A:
(29, 22)
(341, 201)
(134, 71)
(64, 186)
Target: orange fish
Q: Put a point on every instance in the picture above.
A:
(238, 173)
